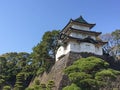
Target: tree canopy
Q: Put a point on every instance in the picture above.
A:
(17, 69)
(113, 45)
(43, 54)
(12, 64)
(90, 73)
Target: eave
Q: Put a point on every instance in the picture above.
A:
(64, 30)
(84, 24)
(89, 40)
(72, 22)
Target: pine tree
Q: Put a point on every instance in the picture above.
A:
(19, 85)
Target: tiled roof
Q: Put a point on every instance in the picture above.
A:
(85, 31)
(81, 20)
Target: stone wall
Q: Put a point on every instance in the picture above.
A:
(56, 74)
(61, 80)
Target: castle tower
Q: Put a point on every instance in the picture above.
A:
(77, 37)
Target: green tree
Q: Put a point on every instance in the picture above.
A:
(72, 87)
(43, 54)
(3, 76)
(116, 36)
(90, 73)
(6, 88)
(50, 85)
(19, 85)
(113, 45)
(13, 63)
(3, 62)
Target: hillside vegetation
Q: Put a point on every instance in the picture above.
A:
(18, 69)
(90, 73)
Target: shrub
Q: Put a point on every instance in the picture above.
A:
(71, 87)
(37, 82)
(6, 88)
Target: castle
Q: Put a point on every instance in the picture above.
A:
(77, 37)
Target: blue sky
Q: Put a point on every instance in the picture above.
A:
(23, 22)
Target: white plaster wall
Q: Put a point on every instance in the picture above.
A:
(74, 46)
(78, 47)
(62, 51)
(80, 27)
(83, 47)
(93, 37)
(98, 50)
(82, 36)
(67, 48)
(87, 47)
(85, 36)
(77, 35)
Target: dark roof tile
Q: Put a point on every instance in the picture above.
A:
(81, 20)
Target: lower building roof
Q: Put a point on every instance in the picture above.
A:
(88, 39)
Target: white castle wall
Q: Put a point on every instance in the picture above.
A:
(78, 47)
(80, 27)
(82, 36)
(62, 50)
(82, 47)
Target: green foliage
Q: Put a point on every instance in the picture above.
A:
(116, 34)
(6, 88)
(113, 45)
(37, 87)
(41, 59)
(106, 74)
(88, 65)
(42, 86)
(115, 89)
(51, 84)
(40, 71)
(88, 82)
(71, 87)
(72, 68)
(77, 76)
(91, 83)
(90, 73)
(29, 89)
(13, 63)
(2, 81)
(115, 49)
(37, 82)
(43, 54)
(19, 85)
